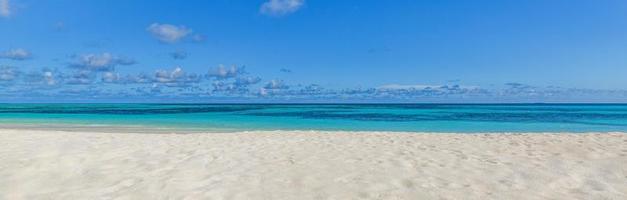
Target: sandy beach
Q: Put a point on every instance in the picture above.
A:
(42, 164)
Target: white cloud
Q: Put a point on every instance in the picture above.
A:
(164, 76)
(222, 72)
(281, 7)
(168, 33)
(110, 77)
(49, 78)
(175, 78)
(100, 62)
(81, 78)
(276, 85)
(424, 87)
(219, 86)
(16, 54)
(245, 81)
(407, 87)
(5, 8)
(273, 88)
(263, 92)
(139, 78)
(8, 74)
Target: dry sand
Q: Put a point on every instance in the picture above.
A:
(38, 164)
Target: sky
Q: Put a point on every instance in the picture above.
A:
(313, 51)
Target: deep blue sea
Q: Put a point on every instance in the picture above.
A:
(465, 118)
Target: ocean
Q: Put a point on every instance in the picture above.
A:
(456, 118)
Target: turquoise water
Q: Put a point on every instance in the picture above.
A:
(352, 117)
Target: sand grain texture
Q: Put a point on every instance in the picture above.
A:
(37, 164)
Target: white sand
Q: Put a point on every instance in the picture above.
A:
(37, 164)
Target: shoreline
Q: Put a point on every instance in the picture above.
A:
(172, 130)
(311, 165)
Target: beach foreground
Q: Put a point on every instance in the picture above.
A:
(41, 164)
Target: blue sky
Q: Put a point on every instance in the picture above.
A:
(313, 51)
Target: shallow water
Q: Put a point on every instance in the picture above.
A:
(350, 117)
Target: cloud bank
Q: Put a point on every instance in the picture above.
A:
(94, 76)
(235, 83)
